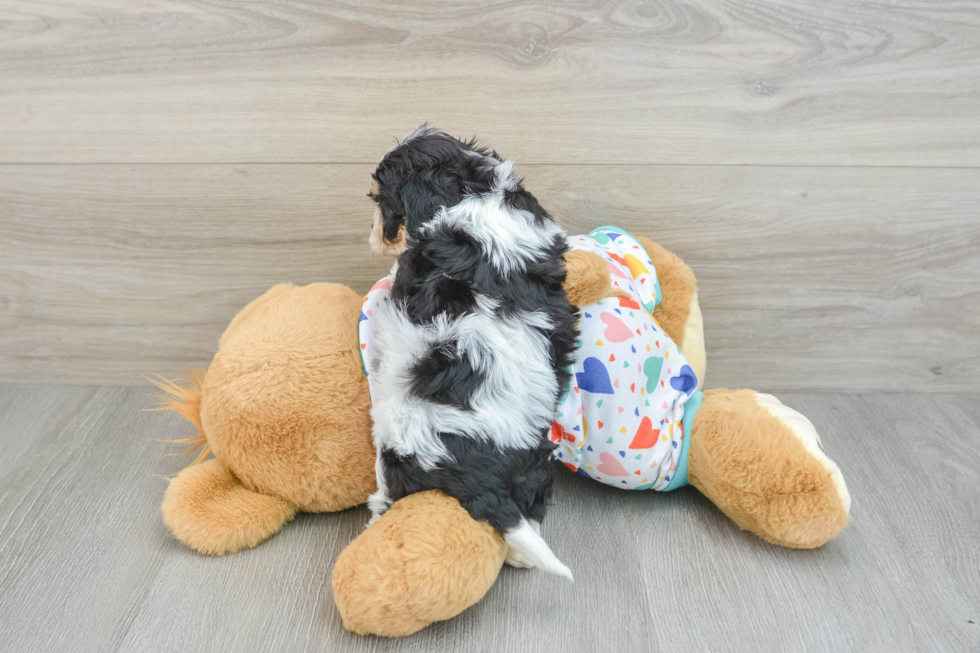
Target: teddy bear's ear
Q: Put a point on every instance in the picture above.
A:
(423, 197)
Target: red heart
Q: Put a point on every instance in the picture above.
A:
(633, 387)
(612, 357)
(628, 303)
(646, 436)
(599, 423)
(363, 345)
(558, 433)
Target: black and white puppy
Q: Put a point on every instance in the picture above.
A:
(475, 343)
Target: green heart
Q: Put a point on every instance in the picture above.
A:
(626, 364)
(639, 455)
(598, 404)
(609, 441)
(651, 368)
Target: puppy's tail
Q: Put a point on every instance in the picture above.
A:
(526, 541)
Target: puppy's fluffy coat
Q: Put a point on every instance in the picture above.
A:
(474, 346)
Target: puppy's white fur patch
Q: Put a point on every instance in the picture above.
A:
(508, 238)
(513, 355)
(516, 558)
(531, 548)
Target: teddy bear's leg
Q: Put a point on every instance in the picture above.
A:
(424, 560)
(679, 313)
(209, 510)
(763, 465)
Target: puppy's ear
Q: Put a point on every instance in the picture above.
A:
(424, 197)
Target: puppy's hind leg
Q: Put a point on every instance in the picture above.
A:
(528, 545)
(516, 559)
(379, 502)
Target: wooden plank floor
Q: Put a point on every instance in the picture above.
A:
(87, 565)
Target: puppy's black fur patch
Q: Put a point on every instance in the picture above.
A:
(443, 272)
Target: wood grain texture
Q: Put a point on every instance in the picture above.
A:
(895, 82)
(87, 565)
(828, 279)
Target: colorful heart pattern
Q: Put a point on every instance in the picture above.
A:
(643, 379)
(619, 419)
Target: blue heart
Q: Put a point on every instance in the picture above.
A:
(622, 454)
(686, 381)
(636, 411)
(363, 317)
(587, 315)
(576, 428)
(590, 447)
(633, 348)
(581, 470)
(594, 378)
(618, 311)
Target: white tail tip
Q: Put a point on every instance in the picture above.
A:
(532, 546)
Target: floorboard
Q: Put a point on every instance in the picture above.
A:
(87, 565)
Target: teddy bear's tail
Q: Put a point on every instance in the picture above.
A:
(185, 400)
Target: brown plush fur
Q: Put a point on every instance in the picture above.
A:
(588, 278)
(425, 560)
(678, 286)
(286, 405)
(210, 511)
(759, 474)
(286, 409)
(185, 400)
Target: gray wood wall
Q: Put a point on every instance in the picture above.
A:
(817, 164)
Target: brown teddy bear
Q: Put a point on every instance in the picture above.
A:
(285, 409)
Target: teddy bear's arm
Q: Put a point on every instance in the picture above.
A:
(587, 278)
(679, 313)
